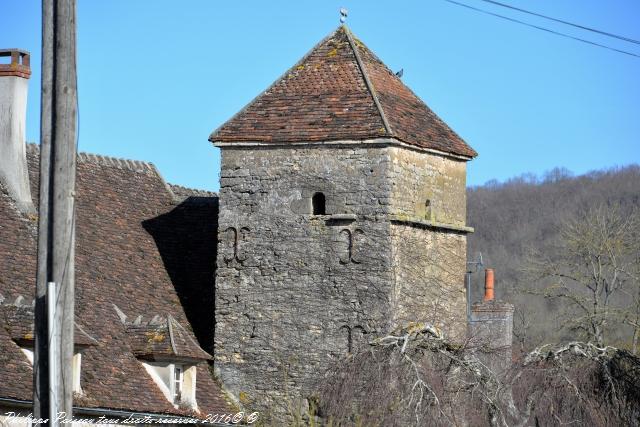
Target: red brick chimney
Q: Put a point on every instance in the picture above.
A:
(14, 84)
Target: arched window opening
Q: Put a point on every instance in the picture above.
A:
(319, 204)
(427, 210)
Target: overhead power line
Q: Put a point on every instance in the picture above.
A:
(627, 39)
(517, 21)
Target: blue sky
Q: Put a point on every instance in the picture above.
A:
(156, 77)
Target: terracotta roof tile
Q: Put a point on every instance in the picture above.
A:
(17, 375)
(340, 91)
(133, 246)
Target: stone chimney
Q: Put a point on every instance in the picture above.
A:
(491, 327)
(14, 83)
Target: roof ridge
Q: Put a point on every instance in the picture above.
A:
(367, 81)
(171, 337)
(415, 95)
(102, 160)
(196, 191)
(372, 59)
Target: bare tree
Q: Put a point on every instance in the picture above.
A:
(414, 377)
(521, 327)
(632, 315)
(591, 269)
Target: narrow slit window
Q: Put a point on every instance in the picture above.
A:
(427, 210)
(319, 204)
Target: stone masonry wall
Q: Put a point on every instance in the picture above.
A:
(491, 333)
(295, 292)
(429, 263)
(429, 270)
(417, 177)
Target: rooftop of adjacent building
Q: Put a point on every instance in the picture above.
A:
(135, 294)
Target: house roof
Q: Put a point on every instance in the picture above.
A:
(134, 240)
(340, 91)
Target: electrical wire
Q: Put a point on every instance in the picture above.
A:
(627, 39)
(486, 12)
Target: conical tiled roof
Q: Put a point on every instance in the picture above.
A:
(340, 91)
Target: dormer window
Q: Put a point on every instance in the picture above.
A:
(76, 366)
(19, 324)
(318, 202)
(176, 380)
(170, 355)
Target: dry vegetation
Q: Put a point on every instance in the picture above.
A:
(566, 252)
(425, 381)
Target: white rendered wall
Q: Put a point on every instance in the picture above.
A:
(13, 163)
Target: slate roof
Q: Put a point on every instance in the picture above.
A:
(133, 240)
(340, 91)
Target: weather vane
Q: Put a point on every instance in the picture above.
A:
(343, 15)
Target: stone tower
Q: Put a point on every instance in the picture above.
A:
(342, 216)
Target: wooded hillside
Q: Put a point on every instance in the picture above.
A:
(524, 215)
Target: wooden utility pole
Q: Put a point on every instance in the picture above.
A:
(56, 223)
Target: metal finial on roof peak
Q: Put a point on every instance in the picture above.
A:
(343, 15)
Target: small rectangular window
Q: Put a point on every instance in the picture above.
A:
(318, 204)
(77, 363)
(178, 376)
